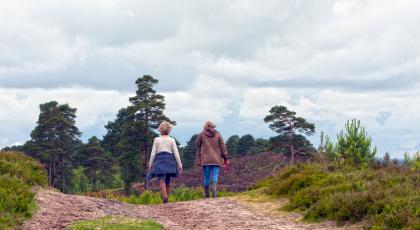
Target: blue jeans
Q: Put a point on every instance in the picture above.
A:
(210, 172)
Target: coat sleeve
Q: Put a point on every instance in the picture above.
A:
(223, 149)
(198, 142)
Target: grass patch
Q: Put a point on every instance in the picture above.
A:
(115, 223)
(385, 197)
(149, 197)
(18, 173)
(256, 195)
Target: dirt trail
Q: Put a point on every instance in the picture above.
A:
(57, 210)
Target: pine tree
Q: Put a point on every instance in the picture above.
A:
(52, 139)
(232, 145)
(114, 130)
(130, 149)
(285, 122)
(147, 107)
(245, 143)
(80, 180)
(326, 148)
(354, 145)
(261, 145)
(130, 136)
(98, 164)
(189, 153)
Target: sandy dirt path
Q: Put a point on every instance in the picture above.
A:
(57, 210)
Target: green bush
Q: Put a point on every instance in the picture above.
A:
(385, 198)
(23, 167)
(18, 174)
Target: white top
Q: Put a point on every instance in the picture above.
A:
(165, 144)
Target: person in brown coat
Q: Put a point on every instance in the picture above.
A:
(211, 155)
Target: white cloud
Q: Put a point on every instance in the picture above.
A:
(257, 102)
(29, 45)
(20, 108)
(330, 109)
(330, 60)
(293, 41)
(206, 99)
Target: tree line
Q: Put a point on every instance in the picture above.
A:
(121, 157)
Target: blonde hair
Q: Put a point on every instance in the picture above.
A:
(209, 125)
(165, 128)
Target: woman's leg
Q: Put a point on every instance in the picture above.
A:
(206, 180)
(214, 179)
(162, 188)
(168, 184)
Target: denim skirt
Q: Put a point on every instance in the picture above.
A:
(164, 165)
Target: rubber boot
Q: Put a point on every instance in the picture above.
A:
(214, 190)
(206, 192)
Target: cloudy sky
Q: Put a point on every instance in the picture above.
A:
(227, 61)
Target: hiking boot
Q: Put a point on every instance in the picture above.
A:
(214, 190)
(206, 192)
(165, 200)
(168, 189)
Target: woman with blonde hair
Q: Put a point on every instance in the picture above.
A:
(165, 161)
(211, 155)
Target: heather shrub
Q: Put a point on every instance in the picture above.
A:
(385, 197)
(18, 173)
(25, 168)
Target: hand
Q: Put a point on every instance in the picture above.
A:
(150, 168)
(180, 170)
(226, 166)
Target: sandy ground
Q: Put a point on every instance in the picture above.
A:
(57, 210)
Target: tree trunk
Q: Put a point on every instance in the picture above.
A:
(63, 180)
(292, 146)
(145, 163)
(50, 171)
(62, 174)
(94, 177)
(292, 152)
(54, 169)
(145, 147)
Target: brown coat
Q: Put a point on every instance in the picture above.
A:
(211, 148)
